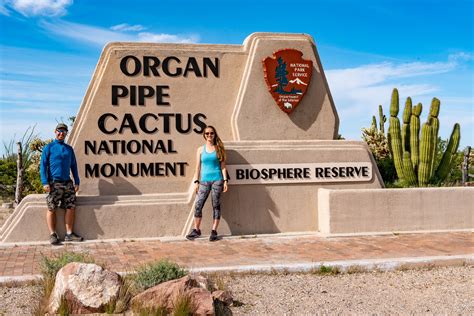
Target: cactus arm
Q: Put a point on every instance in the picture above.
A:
(394, 103)
(415, 135)
(408, 171)
(395, 135)
(426, 145)
(406, 126)
(434, 122)
(446, 161)
(382, 120)
(396, 145)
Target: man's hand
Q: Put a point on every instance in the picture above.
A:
(76, 188)
(46, 188)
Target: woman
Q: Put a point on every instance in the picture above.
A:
(210, 176)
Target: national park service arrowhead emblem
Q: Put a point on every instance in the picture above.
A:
(288, 76)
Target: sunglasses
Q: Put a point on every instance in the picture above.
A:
(61, 131)
(209, 133)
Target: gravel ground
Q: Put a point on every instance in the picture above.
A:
(19, 300)
(438, 291)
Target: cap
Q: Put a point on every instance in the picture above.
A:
(61, 126)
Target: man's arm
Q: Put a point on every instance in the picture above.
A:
(74, 170)
(44, 165)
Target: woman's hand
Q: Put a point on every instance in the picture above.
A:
(225, 187)
(196, 187)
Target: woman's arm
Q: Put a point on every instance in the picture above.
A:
(197, 172)
(224, 175)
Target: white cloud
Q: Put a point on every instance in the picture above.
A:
(165, 38)
(3, 9)
(84, 33)
(358, 91)
(101, 36)
(40, 7)
(125, 27)
(461, 56)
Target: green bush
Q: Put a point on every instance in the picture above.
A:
(387, 170)
(7, 179)
(155, 273)
(50, 266)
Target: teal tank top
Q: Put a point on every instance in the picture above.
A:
(210, 166)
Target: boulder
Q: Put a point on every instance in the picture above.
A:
(86, 287)
(166, 294)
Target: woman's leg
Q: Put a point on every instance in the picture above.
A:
(216, 192)
(201, 197)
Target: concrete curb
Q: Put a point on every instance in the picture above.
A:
(342, 266)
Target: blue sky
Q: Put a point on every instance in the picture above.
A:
(49, 49)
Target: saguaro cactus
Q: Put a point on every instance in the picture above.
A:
(413, 154)
(395, 135)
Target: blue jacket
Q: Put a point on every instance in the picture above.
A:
(57, 161)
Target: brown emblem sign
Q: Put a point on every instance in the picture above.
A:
(288, 76)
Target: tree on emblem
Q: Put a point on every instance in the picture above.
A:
(280, 76)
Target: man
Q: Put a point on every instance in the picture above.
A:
(57, 161)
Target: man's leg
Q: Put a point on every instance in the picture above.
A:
(51, 201)
(51, 220)
(69, 220)
(70, 206)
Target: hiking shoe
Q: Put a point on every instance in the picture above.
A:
(195, 233)
(53, 239)
(73, 237)
(213, 236)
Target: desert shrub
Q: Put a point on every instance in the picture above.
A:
(155, 273)
(8, 174)
(50, 266)
(183, 306)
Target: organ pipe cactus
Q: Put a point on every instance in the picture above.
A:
(395, 135)
(406, 126)
(448, 156)
(413, 154)
(434, 121)
(414, 135)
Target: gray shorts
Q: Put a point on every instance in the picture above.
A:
(215, 188)
(61, 194)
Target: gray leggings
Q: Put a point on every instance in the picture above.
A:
(216, 188)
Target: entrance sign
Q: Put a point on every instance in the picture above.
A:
(288, 75)
(141, 121)
(300, 173)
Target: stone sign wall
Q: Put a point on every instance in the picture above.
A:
(139, 125)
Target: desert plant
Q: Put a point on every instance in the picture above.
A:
(49, 267)
(414, 155)
(155, 273)
(183, 305)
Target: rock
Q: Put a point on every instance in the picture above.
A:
(167, 293)
(223, 296)
(86, 287)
